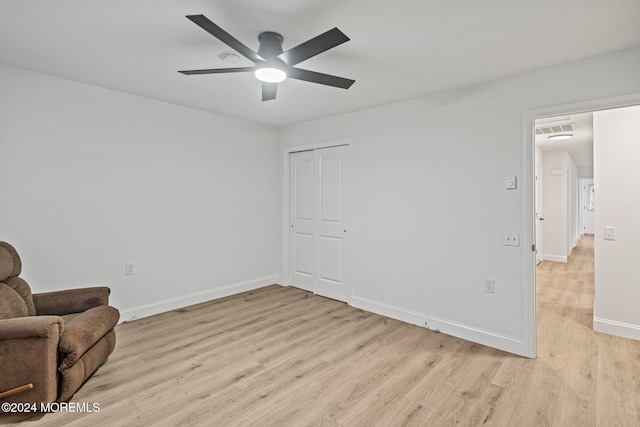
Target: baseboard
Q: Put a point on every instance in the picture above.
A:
(181, 301)
(554, 258)
(613, 327)
(466, 332)
(575, 242)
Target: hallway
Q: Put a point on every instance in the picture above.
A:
(601, 373)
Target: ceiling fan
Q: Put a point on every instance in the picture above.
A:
(272, 65)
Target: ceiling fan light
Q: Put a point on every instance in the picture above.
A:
(561, 136)
(270, 75)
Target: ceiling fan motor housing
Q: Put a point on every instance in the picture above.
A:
(270, 44)
(270, 48)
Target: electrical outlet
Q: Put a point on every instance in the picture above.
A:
(490, 286)
(129, 269)
(512, 239)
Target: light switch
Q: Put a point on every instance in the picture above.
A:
(609, 233)
(490, 286)
(511, 182)
(129, 269)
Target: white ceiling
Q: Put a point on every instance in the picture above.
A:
(399, 49)
(580, 146)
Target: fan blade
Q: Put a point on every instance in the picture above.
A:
(323, 79)
(269, 91)
(313, 47)
(204, 23)
(218, 70)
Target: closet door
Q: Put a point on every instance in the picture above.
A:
(321, 218)
(302, 218)
(333, 222)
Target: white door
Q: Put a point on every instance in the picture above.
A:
(321, 213)
(333, 214)
(538, 210)
(587, 206)
(302, 219)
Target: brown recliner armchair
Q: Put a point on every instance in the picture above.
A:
(53, 340)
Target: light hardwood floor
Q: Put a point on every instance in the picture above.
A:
(282, 356)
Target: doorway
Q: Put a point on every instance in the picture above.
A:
(320, 216)
(529, 204)
(564, 275)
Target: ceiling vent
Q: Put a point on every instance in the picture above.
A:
(549, 130)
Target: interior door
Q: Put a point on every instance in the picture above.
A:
(302, 218)
(587, 206)
(321, 216)
(333, 213)
(538, 210)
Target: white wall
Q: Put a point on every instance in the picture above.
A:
(430, 203)
(585, 171)
(92, 178)
(616, 175)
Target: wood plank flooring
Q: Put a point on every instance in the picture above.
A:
(282, 356)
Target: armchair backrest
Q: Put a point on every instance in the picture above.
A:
(15, 294)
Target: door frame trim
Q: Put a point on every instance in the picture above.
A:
(538, 193)
(286, 152)
(528, 214)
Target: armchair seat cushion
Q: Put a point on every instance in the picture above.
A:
(83, 331)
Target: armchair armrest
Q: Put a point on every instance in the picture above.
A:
(29, 353)
(70, 301)
(31, 327)
(83, 331)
